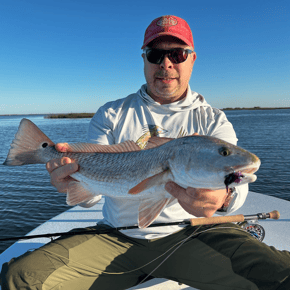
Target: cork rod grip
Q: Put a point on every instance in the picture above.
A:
(217, 220)
(274, 215)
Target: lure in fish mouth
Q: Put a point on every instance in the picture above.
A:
(237, 177)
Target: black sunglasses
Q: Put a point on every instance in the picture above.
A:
(175, 55)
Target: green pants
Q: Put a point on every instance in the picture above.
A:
(218, 258)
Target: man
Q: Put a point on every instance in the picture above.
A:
(217, 257)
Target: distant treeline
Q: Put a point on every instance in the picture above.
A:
(90, 115)
(255, 108)
(70, 115)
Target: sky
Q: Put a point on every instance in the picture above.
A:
(63, 56)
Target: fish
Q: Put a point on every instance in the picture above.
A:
(125, 171)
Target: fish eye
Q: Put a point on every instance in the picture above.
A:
(44, 145)
(224, 151)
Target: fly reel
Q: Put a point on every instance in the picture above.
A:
(254, 229)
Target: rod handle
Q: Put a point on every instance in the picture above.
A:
(217, 220)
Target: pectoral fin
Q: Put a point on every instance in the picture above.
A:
(149, 182)
(150, 209)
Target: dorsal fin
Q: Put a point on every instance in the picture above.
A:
(155, 141)
(127, 146)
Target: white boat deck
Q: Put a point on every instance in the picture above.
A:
(277, 231)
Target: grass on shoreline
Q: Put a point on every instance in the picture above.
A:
(90, 115)
(70, 115)
(255, 108)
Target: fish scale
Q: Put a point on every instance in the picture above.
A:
(109, 167)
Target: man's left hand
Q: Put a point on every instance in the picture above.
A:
(200, 202)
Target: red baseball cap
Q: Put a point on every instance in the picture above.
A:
(168, 25)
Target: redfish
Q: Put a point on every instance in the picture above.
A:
(125, 171)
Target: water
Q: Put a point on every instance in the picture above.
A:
(27, 199)
(266, 134)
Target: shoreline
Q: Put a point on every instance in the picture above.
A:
(90, 115)
(69, 115)
(255, 108)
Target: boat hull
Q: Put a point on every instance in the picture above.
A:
(277, 231)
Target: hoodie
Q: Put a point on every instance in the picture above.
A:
(138, 117)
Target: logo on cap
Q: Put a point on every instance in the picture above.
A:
(167, 21)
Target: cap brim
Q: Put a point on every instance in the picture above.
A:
(170, 34)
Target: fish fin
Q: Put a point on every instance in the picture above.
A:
(155, 141)
(27, 144)
(149, 210)
(127, 146)
(93, 201)
(149, 182)
(77, 193)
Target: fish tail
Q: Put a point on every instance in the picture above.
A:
(28, 145)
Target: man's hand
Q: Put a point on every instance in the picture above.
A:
(60, 169)
(199, 202)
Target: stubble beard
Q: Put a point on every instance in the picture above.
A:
(162, 91)
(166, 95)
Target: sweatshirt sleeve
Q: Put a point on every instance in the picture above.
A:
(100, 131)
(101, 127)
(217, 125)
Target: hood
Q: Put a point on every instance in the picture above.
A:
(192, 101)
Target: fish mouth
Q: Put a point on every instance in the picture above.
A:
(241, 175)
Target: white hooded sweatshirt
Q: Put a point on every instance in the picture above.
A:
(137, 117)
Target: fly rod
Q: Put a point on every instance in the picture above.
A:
(194, 222)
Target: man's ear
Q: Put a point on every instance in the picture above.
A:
(194, 56)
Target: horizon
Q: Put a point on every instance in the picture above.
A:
(72, 57)
(227, 108)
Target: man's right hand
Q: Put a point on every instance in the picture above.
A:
(60, 169)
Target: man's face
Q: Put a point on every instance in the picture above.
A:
(167, 82)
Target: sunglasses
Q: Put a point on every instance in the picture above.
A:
(175, 55)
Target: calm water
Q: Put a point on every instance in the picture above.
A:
(27, 199)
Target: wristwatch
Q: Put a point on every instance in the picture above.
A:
(230, 196)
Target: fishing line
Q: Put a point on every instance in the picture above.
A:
(178, 244)
(112, 273)
(97, 231)
(194, 222)
(181, 243)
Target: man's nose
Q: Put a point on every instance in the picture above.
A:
(166, 63)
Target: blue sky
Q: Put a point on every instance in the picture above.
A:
(73, 56)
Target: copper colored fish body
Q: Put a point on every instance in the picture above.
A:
(125, 171)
